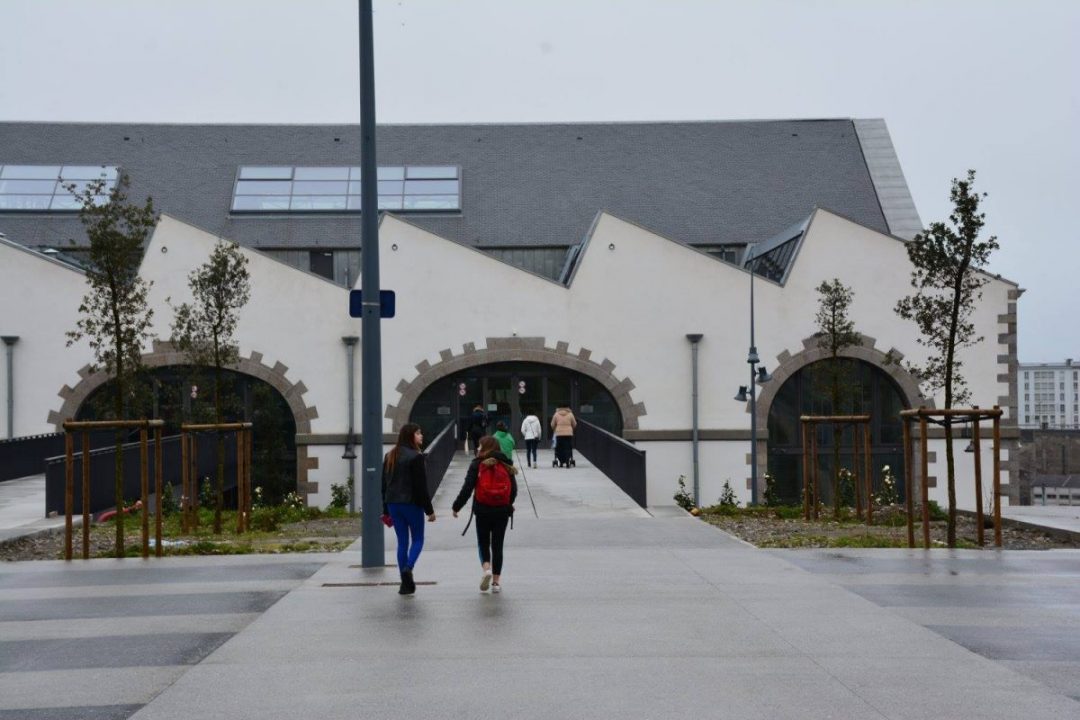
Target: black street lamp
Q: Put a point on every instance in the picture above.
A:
(757, 375)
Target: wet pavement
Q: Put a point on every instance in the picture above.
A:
(607, 611)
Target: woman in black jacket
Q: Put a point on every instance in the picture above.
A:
(488, 476)
(406, 499)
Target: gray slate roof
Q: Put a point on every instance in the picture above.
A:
(523, 185)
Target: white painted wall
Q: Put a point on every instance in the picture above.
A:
(39, 301)
(718, 462)
(634, 298)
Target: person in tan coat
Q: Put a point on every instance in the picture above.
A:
(563, 424)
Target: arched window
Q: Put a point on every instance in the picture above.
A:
(167, 393)
(867, 390)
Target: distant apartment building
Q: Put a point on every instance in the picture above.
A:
(1051, 395)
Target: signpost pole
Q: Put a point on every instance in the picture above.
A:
(372, 547)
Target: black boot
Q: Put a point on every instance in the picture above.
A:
(408, 586)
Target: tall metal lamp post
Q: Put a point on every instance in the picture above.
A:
(757, 375)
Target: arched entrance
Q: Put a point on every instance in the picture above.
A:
(805, 392)
(164, 354)
(516, 350)
(182, 393)
(507, 391)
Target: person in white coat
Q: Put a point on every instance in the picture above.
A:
(531, 430)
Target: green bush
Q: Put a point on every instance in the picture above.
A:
(340, 494)
(727, 496)
(169, 505)
(207, 498)
(936, 513)
(772, 496)
(682, 498)
(847, 488)
(788, 512)
(264, 519)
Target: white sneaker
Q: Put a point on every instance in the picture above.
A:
(485, 582)
(496, 588)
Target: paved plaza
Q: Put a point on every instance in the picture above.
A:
(608, 611)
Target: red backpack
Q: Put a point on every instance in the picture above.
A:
(493, 484)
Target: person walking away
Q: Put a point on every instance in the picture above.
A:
(505, 440)
(531, 431)
(491, 483)
(563, 424)
(406, 500)
(478, 423)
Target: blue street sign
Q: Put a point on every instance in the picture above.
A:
(387, 303)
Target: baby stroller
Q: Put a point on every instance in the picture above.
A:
(564, 452)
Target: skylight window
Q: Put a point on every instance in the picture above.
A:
(42, 188)
(409, 188)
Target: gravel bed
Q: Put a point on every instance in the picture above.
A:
(774, 532)
(319, 535)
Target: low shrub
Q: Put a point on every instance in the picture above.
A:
(682, 498)
(340, 494)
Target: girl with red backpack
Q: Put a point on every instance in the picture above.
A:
(490, 480)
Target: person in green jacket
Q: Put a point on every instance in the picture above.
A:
(506, 440)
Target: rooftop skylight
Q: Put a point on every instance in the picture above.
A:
(43, 188)
(285, 189)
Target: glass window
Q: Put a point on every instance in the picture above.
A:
(68, 202)
(36, 187)
(27, 187)
(263, 187)
(321, 173)
(318, 202)
(430, 202)
(25, 202)
(30, 172)
(328, 189)
(431, 187)
(322, 263)
(320, 187)
(266, 173)
(261, 202)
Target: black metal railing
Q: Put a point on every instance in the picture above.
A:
(439, 454)
(103, 471)
(24, 456)
(621, 461)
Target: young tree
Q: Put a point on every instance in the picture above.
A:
(113, 316)
(203, 330)
(948, 283)
(836, 332)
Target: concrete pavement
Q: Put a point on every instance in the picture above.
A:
(607, 612)
(22, 508)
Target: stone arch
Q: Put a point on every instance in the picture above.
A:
(165, 354)
(513, 349)
(788, 364)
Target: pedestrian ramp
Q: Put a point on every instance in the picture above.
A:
(547, 492)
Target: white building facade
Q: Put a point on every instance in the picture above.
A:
(1050, 395)
(604, 324)
(565, 263)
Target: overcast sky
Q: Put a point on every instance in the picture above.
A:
(984, 84)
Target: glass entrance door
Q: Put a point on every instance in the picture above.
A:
(497, 389)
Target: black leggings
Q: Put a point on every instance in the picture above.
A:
(490, 533)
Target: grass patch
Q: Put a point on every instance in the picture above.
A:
(274, 530)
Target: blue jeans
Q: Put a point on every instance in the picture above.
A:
(408, 521)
